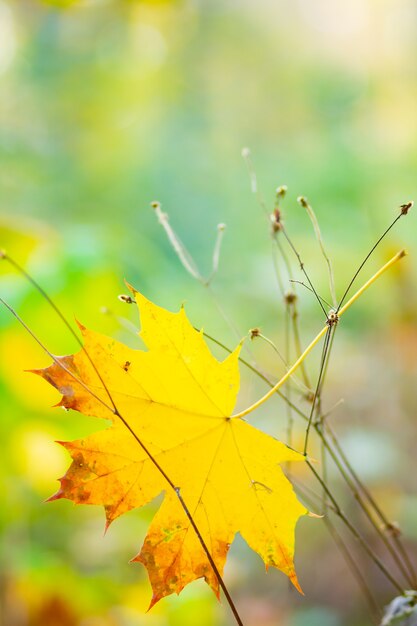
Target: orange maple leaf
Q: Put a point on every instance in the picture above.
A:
(171, 410)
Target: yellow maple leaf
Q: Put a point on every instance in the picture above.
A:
(171, 410)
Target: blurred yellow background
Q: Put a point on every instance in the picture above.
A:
(107, 105)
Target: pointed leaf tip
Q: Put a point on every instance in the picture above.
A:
(131, 288)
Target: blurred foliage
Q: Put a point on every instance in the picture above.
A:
(107, 105)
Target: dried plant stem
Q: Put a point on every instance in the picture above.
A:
(302, 268)
(387, 525)
(297, 343)
(356, 494)
(320, 413)
(216, 252)
(277, 269)
(284, 359)
(320, 335)
(401, 254)
(254, 180)
(373, 607)
(289, 303)
(402, 212)
(393, 550)
(324, 475)
(190, 265)
(304, 203)
(283, 254)
(308, 495)
(224, 315)
(326, 352)
(354, 531)
(180, 250)
(300, 282)
(290, 300)
(404, 209)
(329, 333)
(290, 416)
(5, 256)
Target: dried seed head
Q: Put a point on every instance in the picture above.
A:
(155, 204)
(290, 297)
(303, 201)
(332, 318)
(404, 208)
(245, 153)
(126, 299)
(281, 191)
(254, 332)
(276, 220)
(309, 396)
(221, 227)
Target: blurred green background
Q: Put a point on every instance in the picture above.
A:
(108, 105)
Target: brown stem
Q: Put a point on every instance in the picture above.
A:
(355, 533)
(365, 509)
(175, 488)
(383, 518)
(374, 609)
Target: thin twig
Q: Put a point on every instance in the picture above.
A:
(365, 510)
(256, 333)
(179, 248)
(304, 203)
(354, 532)
(329, 332)
(216, 252)
(356, 572)
(300, 282)
(320, 335)
(190, 265)
(387, 525)
(302, 268)
(404, 209)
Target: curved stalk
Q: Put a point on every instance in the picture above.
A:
(321, 334)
